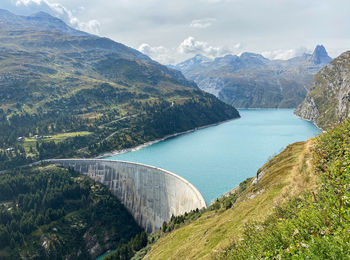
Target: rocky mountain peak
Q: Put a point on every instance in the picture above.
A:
(42, 14)
(320, 55)
(190, 63)
(4, 12)
(200, 58)
(252, 55)
(40, 21)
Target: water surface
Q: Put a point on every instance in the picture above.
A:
(218, 158)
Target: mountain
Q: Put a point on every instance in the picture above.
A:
(252, 81)
(328, 101)
(38, 22)
(55, 79)
(189, 64)
(320, 55)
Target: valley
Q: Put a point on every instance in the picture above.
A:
(218, 158)
(239, 148)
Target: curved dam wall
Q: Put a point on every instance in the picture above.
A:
(150, 194)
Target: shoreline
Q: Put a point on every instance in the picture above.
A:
(309, 120)
(265, 108)
(138, 147)
(226, 194)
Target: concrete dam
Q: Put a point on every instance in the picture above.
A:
(152, 195)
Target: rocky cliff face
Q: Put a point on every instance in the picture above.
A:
(320, 55)
(328, 102)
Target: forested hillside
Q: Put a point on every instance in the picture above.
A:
(68, 93)
(48, 212)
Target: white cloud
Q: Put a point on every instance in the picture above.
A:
(260, 25)
(219, 1)
(188, 48)
(60, 11)
(92, 26)
(191, 46)
(237, 46)
(202, 23)
(284, 54)
(158, 53)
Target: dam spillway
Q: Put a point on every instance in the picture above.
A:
(152, 195)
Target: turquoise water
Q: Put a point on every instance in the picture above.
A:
(105, 254)
(218, 158)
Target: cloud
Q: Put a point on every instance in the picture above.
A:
(202, 23)
(260, 25)
(158, 53)
(237, 46)
(60, 11)
(191, 46)
(220, 1)
(92, 26)
(186, 49)
(284, 54)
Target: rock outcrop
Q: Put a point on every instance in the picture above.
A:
(328, 102)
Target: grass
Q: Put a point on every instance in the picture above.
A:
(31, 142)
(287, 174)
(58, 137)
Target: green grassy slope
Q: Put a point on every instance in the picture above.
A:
(287, 174)
(314, 226)
(299, 209)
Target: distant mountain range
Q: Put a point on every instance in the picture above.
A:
(253, 81)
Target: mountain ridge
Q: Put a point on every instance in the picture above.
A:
(253, 81)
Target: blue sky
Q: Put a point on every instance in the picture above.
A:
(171, 31)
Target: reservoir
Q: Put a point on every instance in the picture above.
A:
(218, 158)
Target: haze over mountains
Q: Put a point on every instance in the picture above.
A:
(253, 81)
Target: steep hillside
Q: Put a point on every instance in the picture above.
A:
(209, 232)
(314, 226)
(252, 81)
(57, 81)
(328, 102)
(297, 208)
(48, 212)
